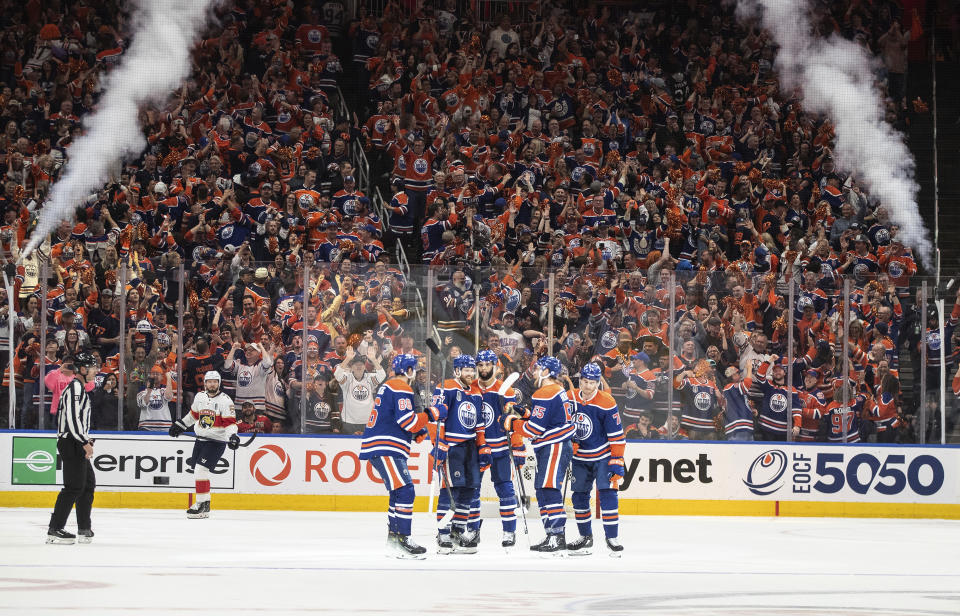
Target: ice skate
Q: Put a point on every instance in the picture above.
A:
(509, 540)
(444, 543)
(60, 537)
(555, 546)
(84, 535)
(199, 510)
(538, 546)
(407, 549)
(616, 549)
(465, 543)
(583, 546)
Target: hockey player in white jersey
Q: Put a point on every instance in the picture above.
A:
(215, 420)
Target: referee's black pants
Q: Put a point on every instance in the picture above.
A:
(79, 484)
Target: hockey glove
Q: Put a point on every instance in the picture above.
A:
(511, 423)
(419, 436)
(519, 457)
(176, 429)
(518, 411)
(437, 413)
(234, 441)
(440, 454)
(615, 472)
(485, 458)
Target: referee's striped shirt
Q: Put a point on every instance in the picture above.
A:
(73, 414)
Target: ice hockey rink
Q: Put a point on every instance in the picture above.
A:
(239, 562)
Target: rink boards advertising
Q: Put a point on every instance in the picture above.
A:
(325, 473)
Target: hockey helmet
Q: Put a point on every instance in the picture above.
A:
(84, 360)
(486, 355)
(464, 361)
(403, 362)
(212, 375)
(591, 372)
(551, 365)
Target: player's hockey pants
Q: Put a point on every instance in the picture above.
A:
(553, 461)
(585, 474)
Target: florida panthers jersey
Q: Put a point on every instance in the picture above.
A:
(551, 417)
(391, 422)
(464, 406)
(215, 417)
(597, 425)
(492, 411)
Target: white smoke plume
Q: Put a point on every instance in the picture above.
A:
(836, 79)
(157, 61)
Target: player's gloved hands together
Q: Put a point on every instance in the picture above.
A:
(615, 472)
(512, 408)
(485, 458)
(234, 441)
(440, 453)
(176, 429)
(419, 436)
(519, 457)
(437, 413)
(511, 423)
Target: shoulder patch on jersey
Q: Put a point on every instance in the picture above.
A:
(398, 385)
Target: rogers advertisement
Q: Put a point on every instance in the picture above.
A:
(654, 470)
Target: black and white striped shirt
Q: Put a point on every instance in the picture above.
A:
(73, 413)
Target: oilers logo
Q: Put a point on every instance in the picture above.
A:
(244, 377)
(702, 401)
(609, 339)
(860, 270)
(226, 232)
(778, 403)
(883, 236)
(804, 301)
(350, 207)
(283, 118)
(421, 166)
(373, 40)
(933, 341)
(588, 148)
(467, 414)
(895, 269)
(486, 415)
(360, 392)
(314, 36)
(826, 269)
(278, 388)
(583, 425)
(765, 473)
(561, 108)
(321, 410)
(380, 126)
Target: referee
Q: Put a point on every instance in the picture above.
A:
(75, 448)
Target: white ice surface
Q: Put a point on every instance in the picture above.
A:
(249, 562)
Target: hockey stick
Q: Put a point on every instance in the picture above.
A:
(435, 348)
(214, 440)
(515, 472)
(566, 473)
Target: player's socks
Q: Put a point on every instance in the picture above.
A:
(613, 544)
(60, 537)
(582, 546)
(406, 548)
(84, 535)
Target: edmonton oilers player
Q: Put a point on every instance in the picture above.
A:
(463, 447)
(548, 423)
(598, 445)
(492, 411)
(215, 417)
(386, 444)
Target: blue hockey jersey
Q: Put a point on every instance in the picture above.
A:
(392, 422)
(492, 411)
(597, 424)
(463, 406)
(551, 417)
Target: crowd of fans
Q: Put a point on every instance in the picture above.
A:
(635, 178)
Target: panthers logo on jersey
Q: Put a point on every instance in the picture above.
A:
(583, 425)
(467, 414)
(207, 419)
